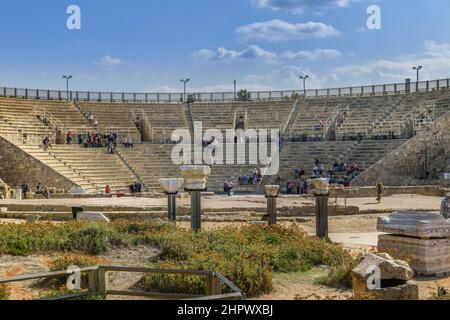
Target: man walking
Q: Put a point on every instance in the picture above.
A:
(445, 207)
(380, 188)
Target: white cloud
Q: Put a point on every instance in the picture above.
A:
(109, 61)
(257, 53)
(299, 6)
(312, 55)
(279, 30)
(223, 55)
(284, 78)
(435, 58)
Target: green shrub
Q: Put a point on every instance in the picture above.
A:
(24, 240)
(339, 275)
(96, 239)
(248, 256)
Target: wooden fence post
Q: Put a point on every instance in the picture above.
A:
(213, 285)
(93, 278)
(103, 281)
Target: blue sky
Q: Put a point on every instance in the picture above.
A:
(140, 45)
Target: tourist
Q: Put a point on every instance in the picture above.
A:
(47, 143)
(226, 187)
(107, 189)
(445, 207)
(290, 186)
(39, 189)
(132, 189)
(111, 147)
(230, 188)
(24, 187)
(46, 193)
(130, 143)
(137, 187)
(380, 187)
(80, 138)
(69, 138)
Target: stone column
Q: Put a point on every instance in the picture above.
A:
(171, 188)
(322, 194)
(195, 178)
(272, 192)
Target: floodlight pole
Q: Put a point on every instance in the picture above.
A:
(304, 83)
(184, 81)
(67, 77)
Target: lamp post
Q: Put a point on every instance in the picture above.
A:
(304, 83)
(67, 77)
(184, 81)
(418, 68)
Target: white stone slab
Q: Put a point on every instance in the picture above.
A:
(415, 224)
(92, 216)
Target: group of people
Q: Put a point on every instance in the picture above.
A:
(135, 188)
(40, 190)
(253, 178)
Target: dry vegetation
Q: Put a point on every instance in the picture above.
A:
(248, 256)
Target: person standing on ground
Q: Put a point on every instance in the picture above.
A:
(380, 188)
(445, 207)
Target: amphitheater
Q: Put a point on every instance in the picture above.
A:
(394, 134)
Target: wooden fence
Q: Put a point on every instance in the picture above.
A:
(98, 284)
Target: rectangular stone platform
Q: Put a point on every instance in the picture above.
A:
(415, 224)
(427, 257)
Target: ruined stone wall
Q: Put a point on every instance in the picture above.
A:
(406, 165)
(18, 167)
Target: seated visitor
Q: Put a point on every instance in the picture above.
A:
(69, 138)
(137, 187)
(46, 193)
(24, 187)
(290, 187)
(227, 187)
(107, 189)
(39, 189)
(130, 143)
(79, 138)
(132, 189)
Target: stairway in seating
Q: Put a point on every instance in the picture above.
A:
(151, 162)
(61, 166)
(97, 166)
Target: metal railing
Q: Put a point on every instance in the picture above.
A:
(98, 283)
(213, 97)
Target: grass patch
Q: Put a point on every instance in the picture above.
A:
(340, 275)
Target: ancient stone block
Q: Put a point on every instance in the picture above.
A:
(426, 257)
(394, 279)
(415, 224)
